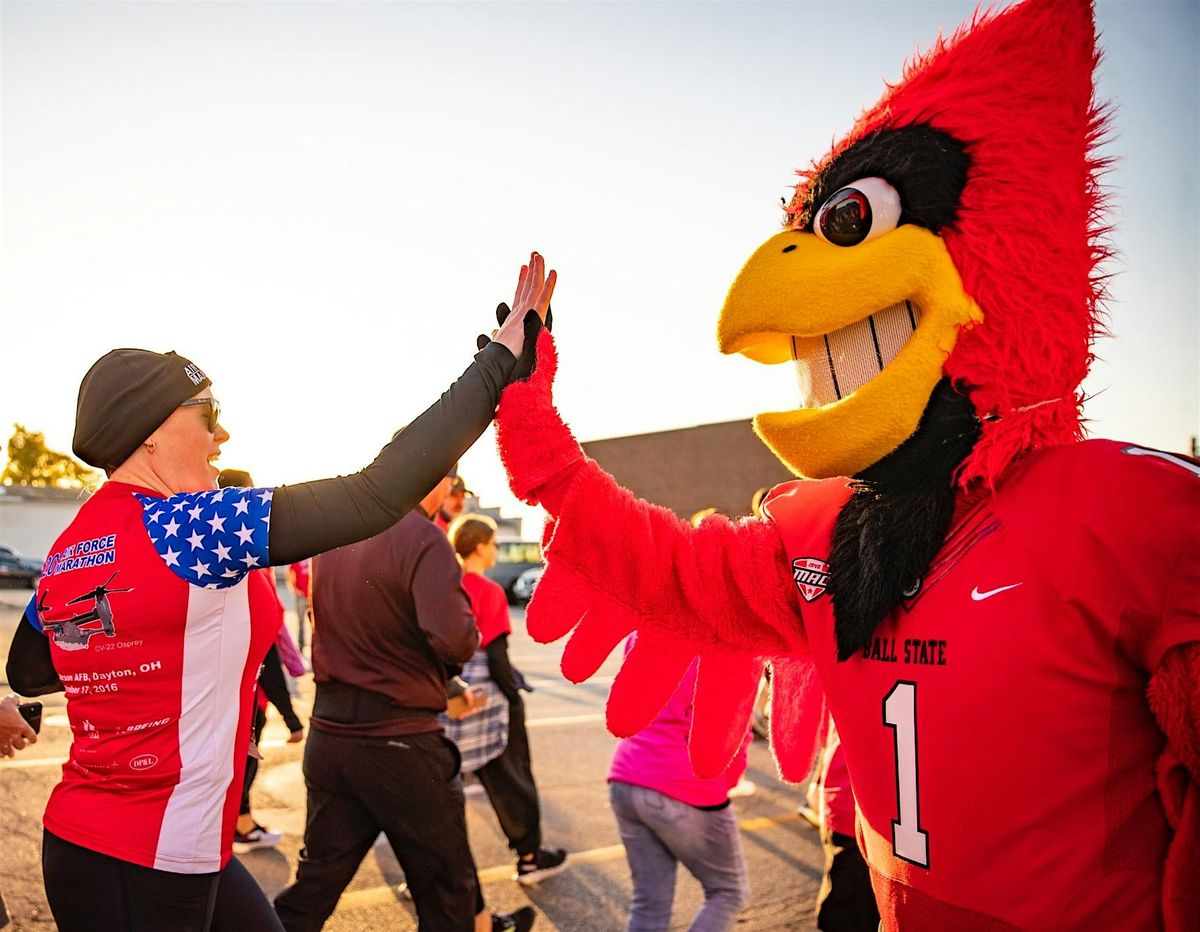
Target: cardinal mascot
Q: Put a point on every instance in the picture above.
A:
(1002, 618)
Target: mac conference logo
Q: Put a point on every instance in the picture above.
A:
(812, 577)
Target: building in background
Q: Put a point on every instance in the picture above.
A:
(709, 466)
(32, 517)
(507, 529)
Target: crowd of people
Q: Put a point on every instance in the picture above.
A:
(171, 563)
(157, 565)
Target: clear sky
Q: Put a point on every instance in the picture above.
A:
(321, 203)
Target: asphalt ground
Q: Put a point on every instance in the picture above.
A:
(571, 752)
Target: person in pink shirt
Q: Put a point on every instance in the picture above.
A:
(666, 815)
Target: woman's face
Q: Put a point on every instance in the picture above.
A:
(185, 449)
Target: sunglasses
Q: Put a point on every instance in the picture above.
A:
(214, 411)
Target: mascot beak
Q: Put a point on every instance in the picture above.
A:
(868, 328)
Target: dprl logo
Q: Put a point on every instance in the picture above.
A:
(811, 575)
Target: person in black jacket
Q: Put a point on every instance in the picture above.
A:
(390, 616)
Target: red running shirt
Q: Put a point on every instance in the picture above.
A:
(490, 607)
(157, 633)
(996, 731)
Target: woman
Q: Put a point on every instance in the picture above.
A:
(482, 735)
(151, 626)
(502, 765)
(667, 815)
(247, 833)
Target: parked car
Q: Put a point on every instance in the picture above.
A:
(17, 571)
(523, 585)
(515, 558)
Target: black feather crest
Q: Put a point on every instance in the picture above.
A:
(893, 525)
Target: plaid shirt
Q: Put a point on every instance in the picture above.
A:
(481, 737)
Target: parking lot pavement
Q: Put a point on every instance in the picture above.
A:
(571, 751)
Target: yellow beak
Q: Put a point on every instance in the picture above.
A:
(796, 285)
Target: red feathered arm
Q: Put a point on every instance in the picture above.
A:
(1175, 699)
(615, 564)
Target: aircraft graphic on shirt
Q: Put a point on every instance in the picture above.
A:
(71, 633)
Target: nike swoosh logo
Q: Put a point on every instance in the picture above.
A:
(977, 596)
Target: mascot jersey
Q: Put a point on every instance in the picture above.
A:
(995, 725)
(1028, 621)
(1001, 617)
(153, 620)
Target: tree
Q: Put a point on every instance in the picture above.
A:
(31, 463)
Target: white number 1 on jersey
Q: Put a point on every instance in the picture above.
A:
(900, 714)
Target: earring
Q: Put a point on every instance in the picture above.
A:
(150, 446)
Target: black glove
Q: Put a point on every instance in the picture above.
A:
(533, 325)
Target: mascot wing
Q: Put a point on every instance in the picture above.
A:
(720, 592)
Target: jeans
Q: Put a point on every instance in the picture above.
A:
(301, 620)
(659, 831)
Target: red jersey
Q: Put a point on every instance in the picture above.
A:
(298, 578)
(157, 635)
(490, 607)
(996, 730)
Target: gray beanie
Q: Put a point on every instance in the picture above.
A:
(124, 397)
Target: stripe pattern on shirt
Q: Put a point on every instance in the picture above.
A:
(216, 642)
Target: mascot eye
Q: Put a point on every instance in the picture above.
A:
(858, 212)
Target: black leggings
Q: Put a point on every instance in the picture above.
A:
(92, 892)
(260, 722)
(273, 683)
(508, 781)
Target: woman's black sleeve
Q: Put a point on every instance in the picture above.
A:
(30, 670)
(312, 517)
(500, 668)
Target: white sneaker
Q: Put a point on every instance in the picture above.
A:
(743, 787)
(257, 837)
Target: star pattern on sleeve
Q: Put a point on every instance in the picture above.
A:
(223, 533)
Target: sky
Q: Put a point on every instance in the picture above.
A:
(322, 203)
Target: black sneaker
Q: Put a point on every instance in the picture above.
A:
(543, 864)
(520, 920)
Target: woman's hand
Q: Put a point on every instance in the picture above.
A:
(534, 289)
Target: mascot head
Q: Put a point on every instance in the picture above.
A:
(953, 233)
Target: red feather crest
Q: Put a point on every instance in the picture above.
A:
(1016, 88)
